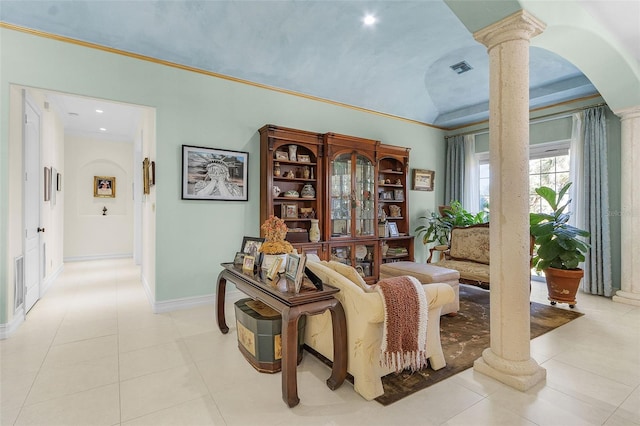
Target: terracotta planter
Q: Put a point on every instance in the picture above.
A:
(562, 285)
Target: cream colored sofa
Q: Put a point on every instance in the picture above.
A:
(365, 315)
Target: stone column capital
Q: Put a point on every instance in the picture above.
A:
(521, 25)
(628, 113)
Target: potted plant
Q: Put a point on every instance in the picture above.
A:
(559, 247)
(439, 226)
(275, 245)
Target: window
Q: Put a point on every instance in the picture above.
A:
(548, 166)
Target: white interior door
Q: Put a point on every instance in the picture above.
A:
(33, 193)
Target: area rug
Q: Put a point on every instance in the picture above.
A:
(464, 337)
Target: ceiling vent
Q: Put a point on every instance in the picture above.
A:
(461, 67)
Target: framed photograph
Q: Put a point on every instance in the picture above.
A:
(423, 180)
(146, 184)
(239, 258)
(294, 271)
(303, 158)
(282, 155)
(398, 194)
(339, 227)
(251, 246)
(214, 174)
(58, 182)
(272, 273)
(248, 263)
(104, 186)
(393, 229)
(47, 183)
(289, 211)
(387, 195)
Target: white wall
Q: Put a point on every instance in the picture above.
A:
(87, 232)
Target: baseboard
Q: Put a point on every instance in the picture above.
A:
(9, 328)
(48, 282)
(187, 302)
(98, 257)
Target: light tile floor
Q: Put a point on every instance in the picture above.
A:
(91, 352)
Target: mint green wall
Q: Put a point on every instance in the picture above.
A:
(194, 237)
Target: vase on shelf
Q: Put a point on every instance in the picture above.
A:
(314, 231)
(276, 169)
(292, 152)
(308, 191)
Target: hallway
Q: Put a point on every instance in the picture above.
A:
(91, 352)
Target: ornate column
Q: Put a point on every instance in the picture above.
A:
(509, 358)
(630, 220)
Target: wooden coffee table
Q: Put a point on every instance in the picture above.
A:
(291, 306)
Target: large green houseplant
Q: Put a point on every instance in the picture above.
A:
(559, 246)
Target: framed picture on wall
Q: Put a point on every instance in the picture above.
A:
(104, 186)
(214, 174)
(423, 180)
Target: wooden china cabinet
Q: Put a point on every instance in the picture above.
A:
(358, 185)
(351, 225)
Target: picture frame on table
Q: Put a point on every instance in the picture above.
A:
(272, 273)
(304, 158)
(239, 258)
(214, 174)
(393, 229)
(248, 263)
(423, 180)
(294, 271)
(251, 246)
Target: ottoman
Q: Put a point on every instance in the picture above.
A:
(426, 273)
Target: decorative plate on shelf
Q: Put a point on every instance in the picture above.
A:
(361, 252)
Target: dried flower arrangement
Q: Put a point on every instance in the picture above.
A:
(275, 232)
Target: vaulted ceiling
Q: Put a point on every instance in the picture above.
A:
(400, 66)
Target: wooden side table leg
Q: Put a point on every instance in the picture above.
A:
(220, 295)
(290, 356)
(339, 323)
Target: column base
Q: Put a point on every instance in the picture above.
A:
(627, 298)
(520, 375)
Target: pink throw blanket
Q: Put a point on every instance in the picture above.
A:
(404, 340)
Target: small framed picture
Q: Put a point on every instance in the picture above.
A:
(423, 180)
(398, 194)
(239, 259)
(248, 262)
(251, 246)
(393, 229)
(387, 195)
(289, 211)
(104, 186)
(304, 158)
(294, 271)
(282, 155)
(272, 273)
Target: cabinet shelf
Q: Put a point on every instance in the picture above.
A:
(391, 171)
(285, 179)
(294, 199)
(294, 163)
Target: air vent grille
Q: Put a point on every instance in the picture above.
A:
(461, 67)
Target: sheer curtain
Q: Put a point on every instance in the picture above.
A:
(454, 170)
(597, 277)
(471, 191)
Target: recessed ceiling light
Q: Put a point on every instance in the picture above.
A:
(99, 111)
(369, 20)
(102, 129)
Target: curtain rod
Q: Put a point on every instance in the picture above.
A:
(542, 118)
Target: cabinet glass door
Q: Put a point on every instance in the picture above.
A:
(341, 196)
(365, 216)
